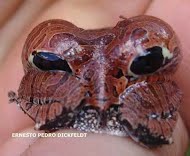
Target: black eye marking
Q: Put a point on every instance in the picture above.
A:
(148, 63)
(50, 61)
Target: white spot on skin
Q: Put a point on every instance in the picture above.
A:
(110, 123)
(153, 116)
(166, 53)
(114, 118)
(95, 121)
(161, 137)
(170, 140)
(169, 116)
(37, 126)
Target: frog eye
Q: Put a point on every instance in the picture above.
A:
(149, 62)
(49, 61)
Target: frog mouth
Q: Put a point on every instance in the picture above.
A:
(88, 118)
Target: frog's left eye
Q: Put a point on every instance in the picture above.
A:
(148, 63)
(49, 61)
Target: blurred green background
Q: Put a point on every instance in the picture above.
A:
(188, 153)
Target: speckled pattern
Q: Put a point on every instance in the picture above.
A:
(111, 80)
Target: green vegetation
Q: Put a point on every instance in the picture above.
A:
(188, 152)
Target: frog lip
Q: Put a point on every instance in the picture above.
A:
(84, 113)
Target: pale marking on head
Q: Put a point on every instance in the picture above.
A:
(127, 47)
(166, 53)
(30, 59)
(72, 48)
(141, 51)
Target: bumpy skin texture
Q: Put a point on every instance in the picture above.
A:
(95, 88)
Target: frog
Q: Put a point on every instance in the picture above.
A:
(115, 80)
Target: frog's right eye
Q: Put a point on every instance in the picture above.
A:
(49, 61)
(149, 62)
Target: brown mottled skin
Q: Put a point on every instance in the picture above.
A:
(100, 92)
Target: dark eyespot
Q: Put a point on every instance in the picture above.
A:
(148, 63)
(50, 61)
